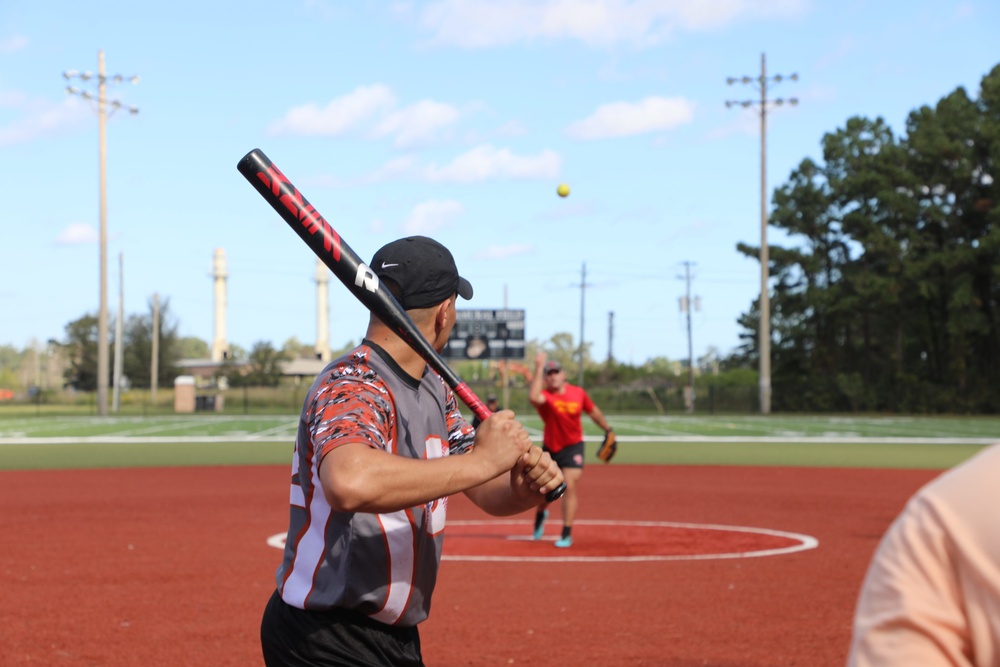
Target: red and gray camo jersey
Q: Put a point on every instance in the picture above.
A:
(382, 565)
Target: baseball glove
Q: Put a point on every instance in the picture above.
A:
(608, 447)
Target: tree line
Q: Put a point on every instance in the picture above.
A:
(887, 297)
(75, 360)
(75, 356)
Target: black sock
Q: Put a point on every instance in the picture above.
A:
(539, 519)
(567, 530)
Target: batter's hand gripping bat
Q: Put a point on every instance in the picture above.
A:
(360, 280)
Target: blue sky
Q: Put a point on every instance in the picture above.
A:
(451, 118)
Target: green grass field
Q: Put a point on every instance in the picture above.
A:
(46, 442)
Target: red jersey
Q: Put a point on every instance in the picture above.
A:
(561, 414)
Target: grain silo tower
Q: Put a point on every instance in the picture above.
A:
(220, 349)
(322, 311)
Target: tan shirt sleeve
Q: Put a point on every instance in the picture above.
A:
(932, 592)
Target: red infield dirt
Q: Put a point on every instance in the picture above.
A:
(170, 566)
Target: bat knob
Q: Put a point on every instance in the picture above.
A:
(556, 493)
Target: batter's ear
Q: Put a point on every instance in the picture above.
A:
(442, 314)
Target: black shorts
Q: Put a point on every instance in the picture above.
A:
(568, 457)
(293, 637)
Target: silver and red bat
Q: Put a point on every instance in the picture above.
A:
(356, 276)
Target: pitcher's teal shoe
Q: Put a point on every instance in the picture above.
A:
(565, 542)
(540, 526)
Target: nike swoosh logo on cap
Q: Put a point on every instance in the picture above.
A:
(386, 266)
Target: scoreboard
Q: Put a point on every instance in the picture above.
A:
(486, 334)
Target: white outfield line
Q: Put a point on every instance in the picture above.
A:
(252, 437)
(802, 439)
(831, 439)
(146, 440)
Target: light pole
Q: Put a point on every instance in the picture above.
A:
(764, 332)
(101, 79)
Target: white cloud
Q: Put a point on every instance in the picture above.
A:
(625, 119)
(482, 163)
(12, 98)
(13, 43)
(77, 233)
(504, 252)
(40, 119)
(418, 123)
(486, 23)
(432, 215)
(373, 109)
(341, 115)
(487, 162)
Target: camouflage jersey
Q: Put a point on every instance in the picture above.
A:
(382, 565)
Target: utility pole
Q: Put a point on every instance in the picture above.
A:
(764, 332)
(611, 336)
(583, 288)
(119, 333)
(154, 363)
(686, 306)
(102, 117)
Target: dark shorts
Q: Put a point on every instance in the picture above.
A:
(293, 637)
(568, 457)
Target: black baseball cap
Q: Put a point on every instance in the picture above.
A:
(424, 270)
(551, 366)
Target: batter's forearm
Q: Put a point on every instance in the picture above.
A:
(496, 497)
(356, 478)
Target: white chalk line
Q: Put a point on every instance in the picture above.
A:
(804, 543)
(639, 439)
